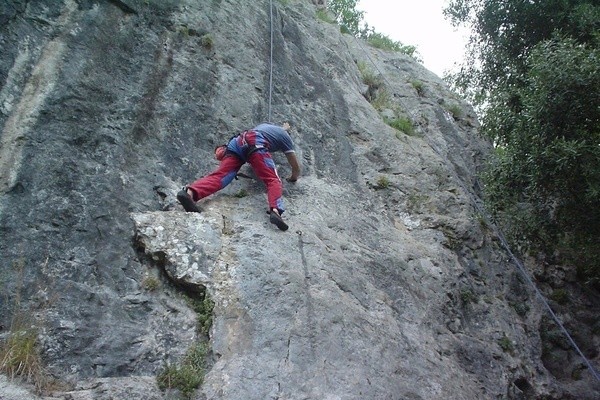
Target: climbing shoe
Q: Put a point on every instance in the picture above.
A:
(277, 220)
(186, 201)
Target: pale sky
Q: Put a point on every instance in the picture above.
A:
(420, 23)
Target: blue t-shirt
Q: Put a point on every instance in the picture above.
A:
(277, 137)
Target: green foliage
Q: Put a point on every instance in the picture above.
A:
(467, 296)
(19, 349)
(384, 42)
(382, 182)
(150, 283)
(548, 131)
(324, 15)
(187, 376)
(456, 111)
(453, 242)
(521, 308)
(419, 87)
(504, 33)
(416, 201)
(505, 344)
(536, 68)
(207, 41)
(381, 99)
(352, 22)
(346, 14)
(203, 307)
(561, 296)
(241, 193)
(368, 77)
(20, 357)
(402, 124)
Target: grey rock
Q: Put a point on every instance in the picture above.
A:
(395, 291)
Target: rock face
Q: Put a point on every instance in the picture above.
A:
(389, 284)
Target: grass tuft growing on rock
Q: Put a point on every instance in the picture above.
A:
(203, 307)
(20, 357)
(401, 124)
(19, 350)
(187, 376)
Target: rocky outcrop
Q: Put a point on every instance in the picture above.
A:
(390, 283)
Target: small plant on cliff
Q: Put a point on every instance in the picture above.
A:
(561, 296)
(207, 41)
(187, 376)
(401, 124)
(19, 356)
(456, 111)
(203, 306)
(19, 352)
(381, 99)
(382, 182)
(324, 16)
(150, 283)
(368, 77)
(419, 87)
(467, 296)
(241, 193)
(383, 42)
(505, 344)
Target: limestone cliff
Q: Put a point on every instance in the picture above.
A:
(390, 283)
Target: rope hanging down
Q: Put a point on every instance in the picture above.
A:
(270, 61)
(503, 240)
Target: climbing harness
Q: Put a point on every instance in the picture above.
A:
(248, 148)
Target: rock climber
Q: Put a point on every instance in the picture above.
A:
(254, 147)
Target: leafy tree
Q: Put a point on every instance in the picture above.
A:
(504, 33)
(346, 14)
(535, 69)
(352, 21)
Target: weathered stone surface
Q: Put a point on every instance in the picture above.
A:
(185, 251)
(389, 283)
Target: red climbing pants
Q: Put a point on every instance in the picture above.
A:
(264, 167)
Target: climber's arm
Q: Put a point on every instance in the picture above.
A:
(293, 161)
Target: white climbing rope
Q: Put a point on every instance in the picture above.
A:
(270, 61)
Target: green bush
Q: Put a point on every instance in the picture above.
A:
(368, 77)
(381, 99)
(187, 376)
(150, 283)
(419, 87)
(352, 22)
(19, 355)
(324, 16)
(241, 193)
(382, 182)
(384, 42)
(467, 296)
(19, 350)
(533, 69)
(207, 41)
(456, 111)
(561, 296)
(505, 344)
(203, 307)
(402, 124)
